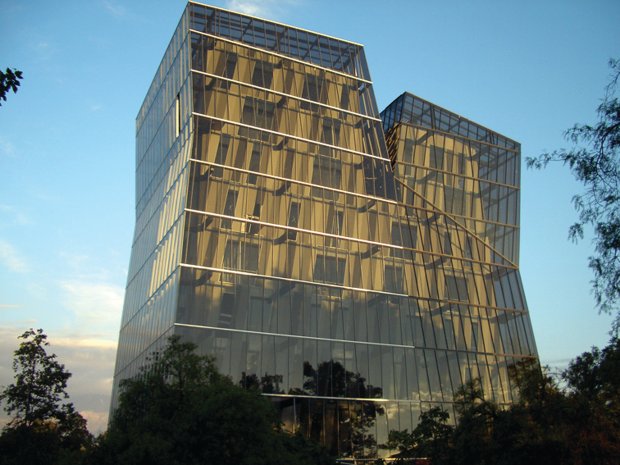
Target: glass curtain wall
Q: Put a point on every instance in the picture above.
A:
(163, 149)
(277, 232)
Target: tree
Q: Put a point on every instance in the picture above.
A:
(593, 394)
(596, 375)
(180, 410)
(52, 427)
(429, 439)
(9, 80)
(594, 160)
(574, 423)
(472, 437)
(40, 385)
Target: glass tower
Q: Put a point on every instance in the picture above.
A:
(355, 282)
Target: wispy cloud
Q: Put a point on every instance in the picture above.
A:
(11, 259)
(9, 306)
(7, 149)
(270, 9)
(42, 50)
(114, 9)
(17, 216)
(77, 262)
(87, 342)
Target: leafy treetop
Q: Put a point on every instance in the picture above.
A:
(40, 383)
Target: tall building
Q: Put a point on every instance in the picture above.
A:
(356, 282)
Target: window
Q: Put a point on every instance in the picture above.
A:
(408, 151)
(262, 74)
(331, 131)
(437, 156)
(250, 259)
(403, 236)
(461, 162)
(255, 319)
(228, 70)
(229, 208)
(221, 155)
(293, 220)
(240, 256)
(289, 160)
(226, 311)
(344, 98)
(469, 248)
(254, 164)
(447, 243)
(253, 228)
(456, 288)
(454, 200)
(326, 172)
(335, 224)
(313, 88)
(374, 175)
(329, 269)
(257, 112)
(393, 279)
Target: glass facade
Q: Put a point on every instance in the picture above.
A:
(355, 282)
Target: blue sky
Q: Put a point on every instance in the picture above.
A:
(527, 69)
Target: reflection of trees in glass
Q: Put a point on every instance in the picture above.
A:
(267, 384)
(430, 438)
(331, 379)
(345, 425)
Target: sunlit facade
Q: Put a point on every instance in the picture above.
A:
(355, 282)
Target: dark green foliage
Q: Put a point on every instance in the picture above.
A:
(574, 424)
(9, 80)
(430, 438)
(594, 160)
(300, 450)
(593, 381)
(40, 382)
(51, 428)
(596, 374)
(180, 410)
(473, 436)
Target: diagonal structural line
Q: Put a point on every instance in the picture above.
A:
(453, 219)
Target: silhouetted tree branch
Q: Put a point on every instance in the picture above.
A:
(594, 160)
(9, 80)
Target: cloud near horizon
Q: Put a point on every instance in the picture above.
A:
(89, 359)
(86, 345)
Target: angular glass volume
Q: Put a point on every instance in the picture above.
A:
(356, 283)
